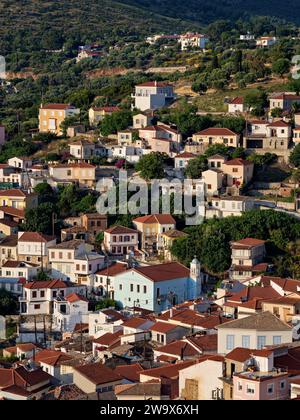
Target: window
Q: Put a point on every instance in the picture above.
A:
(250, 389)
(261, 342)
(270, 389)
(42, 294)
(36, 307)
(229, 342)
(138, 288)
(54, 294)
(34, 295)
(131, 287)
(246, 341)
(282, 385)
(240, 387)
(145, 289)
(277, 340)
(120, 287)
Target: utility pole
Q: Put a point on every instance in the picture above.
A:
(35, 330)
(45, 337)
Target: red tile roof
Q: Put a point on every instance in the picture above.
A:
(240, 354)
(279, 124)
(13, 193)
(216, 132)
(74, 297)
(238, 100)
(164, 272)
(238, 162)
(106, 108)
(247, 243)
(186, 155)
(162, 219)
(98, 374)
(52, 357)
(121, 230)
(134, 322)
(163, 327)
(57, 106)
(51, 284)
(36, 237)
(129, 372)
(113, 270)
(108, 339)
(154, 84)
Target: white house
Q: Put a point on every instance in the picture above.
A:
(105, 278)
(193, 40)
(181, 161)
(19, 269)
(33, 247)
(105, 321)
(153, 95)
(24, 163)
(266, 41)
(237, 105)
(75, 261)
(39, 296)
(69, 311)
(201, 381)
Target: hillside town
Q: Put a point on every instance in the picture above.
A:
(198, 299)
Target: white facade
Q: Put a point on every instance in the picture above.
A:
(153, 95)
(193, 40)
(67, 313)
(207, 374)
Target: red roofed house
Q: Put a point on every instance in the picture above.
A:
(161, 138)
(239, 172)
(51, 116)
(55, 363)
(284, 101)
(237, 105)
(212, 136)
(247, 258)
(18, 199)
(97, 380)
(252, 375)
(33, 247)
(153, 95)
(39, 296)
(136, 325)
(181, 161)
(22, 351)
(22, 383)
(151, 229)
(120, 240)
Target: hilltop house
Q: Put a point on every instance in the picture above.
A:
(237, 105)
(51, 116)
(193, 40)
(153, 95)
(266, 41)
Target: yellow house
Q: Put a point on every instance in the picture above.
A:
(18, 199)
(51, 116)
(151, 229)
(239, 172)
(83, 173)
(212, 136)
(97, 114)
(285, 307)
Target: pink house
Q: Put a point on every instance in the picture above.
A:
(261, 386)
(2, 134)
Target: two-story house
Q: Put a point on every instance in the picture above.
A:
(51, 117)
(120, 240)
(75, 261)
(18, 199)
(153, 95)
(212, 136)
(97, 114)
(39, 296)
(239, 172)
(82, 173)
(33, 247)
(69, 311)
(158, 287)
